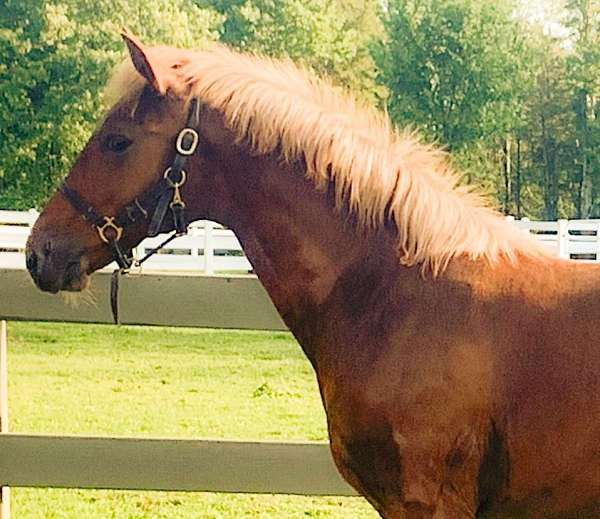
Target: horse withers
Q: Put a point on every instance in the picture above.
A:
(458, 362)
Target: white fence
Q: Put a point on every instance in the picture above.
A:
(575, 239)
(210, 248)
(207, 247)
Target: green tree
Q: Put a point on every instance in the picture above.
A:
(55, 58)
(549, 130)
(457, 70)
(451, 67)
(331, 37)
(583, 19)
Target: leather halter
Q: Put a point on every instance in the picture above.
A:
(157, 199)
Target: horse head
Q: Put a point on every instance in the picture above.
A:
(135, 176)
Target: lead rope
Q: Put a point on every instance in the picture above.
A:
(117, 273)
(114, 293)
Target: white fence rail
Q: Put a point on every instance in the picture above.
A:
(210, 248)
(207, 247)
(575, 239)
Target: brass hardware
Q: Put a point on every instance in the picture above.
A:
(109, 223)
(177, 200)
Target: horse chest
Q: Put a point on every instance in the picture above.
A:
(363, 448)
(401, 439)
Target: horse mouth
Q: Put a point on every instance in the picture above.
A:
(52, 278)
(75, 278)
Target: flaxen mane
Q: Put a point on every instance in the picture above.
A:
(382, 173)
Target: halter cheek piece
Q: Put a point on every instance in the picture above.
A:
(159, 198)
(156, 200)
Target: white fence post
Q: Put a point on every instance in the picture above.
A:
(209, 252)
(563, 239)
(194, 230)
(35, 213)
(598, 241)
(194, 251)
(4, 491)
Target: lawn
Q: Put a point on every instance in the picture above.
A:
(173, 382)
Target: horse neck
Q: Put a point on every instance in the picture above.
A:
(298, 244)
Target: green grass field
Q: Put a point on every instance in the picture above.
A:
(166, 382)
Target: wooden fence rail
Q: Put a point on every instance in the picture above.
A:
(178, 300)
(169, 464)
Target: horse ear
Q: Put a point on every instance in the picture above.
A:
(143, 62)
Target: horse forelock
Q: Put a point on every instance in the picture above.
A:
(382, 174)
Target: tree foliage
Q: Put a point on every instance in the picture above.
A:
(446, 64)
(56, 56)
(582, 64)
(516, 104)
(332, 37)
(548, 135)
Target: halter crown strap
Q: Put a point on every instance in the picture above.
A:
(175, 176)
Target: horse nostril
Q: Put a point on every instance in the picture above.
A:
(31, 262)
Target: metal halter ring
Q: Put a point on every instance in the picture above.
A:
(193, 145)
(109, 223)
(170, 180)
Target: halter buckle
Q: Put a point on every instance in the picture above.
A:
(193, 144)
(109, 223)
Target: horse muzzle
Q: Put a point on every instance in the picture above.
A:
(53, 267)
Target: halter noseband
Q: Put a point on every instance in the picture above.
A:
(161, 196)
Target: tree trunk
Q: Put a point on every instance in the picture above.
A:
(550, 175)
(584, 187)
(507, 176)
(517, 186)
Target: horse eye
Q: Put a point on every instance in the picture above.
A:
(116, 143)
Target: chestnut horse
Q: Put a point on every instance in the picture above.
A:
(458, 362)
